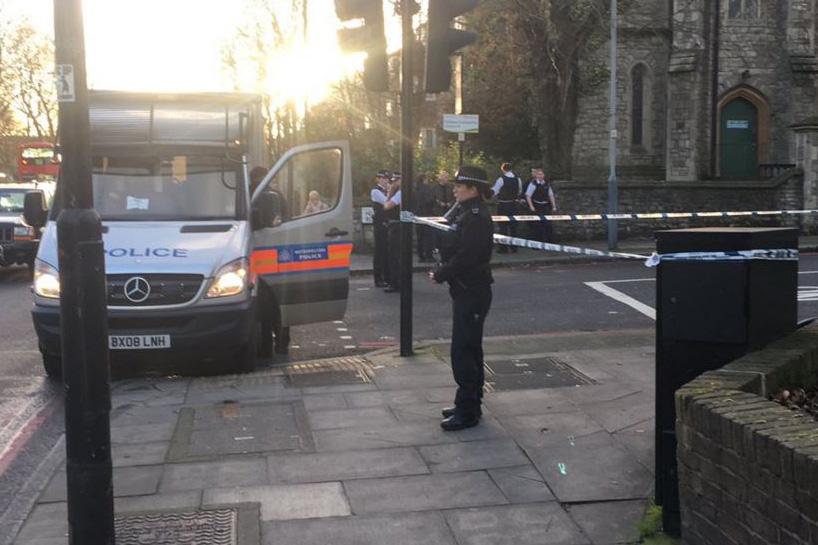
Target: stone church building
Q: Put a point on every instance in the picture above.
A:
(756, 59)
(716, 112)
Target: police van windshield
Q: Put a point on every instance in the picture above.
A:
(173, 188)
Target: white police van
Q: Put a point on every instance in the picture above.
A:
(187, 244)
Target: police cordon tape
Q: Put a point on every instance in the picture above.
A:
(645, 216)
(653, 260)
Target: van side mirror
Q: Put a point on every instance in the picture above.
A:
(35, 212)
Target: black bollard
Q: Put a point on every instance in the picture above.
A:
(708, 314)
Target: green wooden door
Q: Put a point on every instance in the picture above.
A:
(739, 140)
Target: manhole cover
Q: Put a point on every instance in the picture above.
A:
(240, 428)
(352, 370)
(535, 373)
(211, 527)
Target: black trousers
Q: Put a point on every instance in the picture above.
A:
(394, 253)
(380, 261)
(425, 241)
(508, 229)
(541, 231)
(469, 310)
(270, 319)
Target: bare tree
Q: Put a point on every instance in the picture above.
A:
(555, 36)
(247, 58)
(27, 82)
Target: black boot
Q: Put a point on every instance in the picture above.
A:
(458, 422)
(450, 411)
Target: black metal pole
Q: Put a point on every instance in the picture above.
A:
(83, 310)
(406, 148)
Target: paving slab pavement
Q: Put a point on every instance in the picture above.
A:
(366, 463)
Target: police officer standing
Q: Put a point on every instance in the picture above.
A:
(508, 189)
(391, 209)
(380, 263)
(541, 200)
(466, 256)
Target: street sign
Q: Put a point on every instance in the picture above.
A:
(467, 123)
(65, 83)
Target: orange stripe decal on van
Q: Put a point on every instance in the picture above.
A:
(301, 258)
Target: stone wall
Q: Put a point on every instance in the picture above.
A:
(783, 193)
(643, 38)
(748, 467)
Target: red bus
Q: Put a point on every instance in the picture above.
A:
(37, 160)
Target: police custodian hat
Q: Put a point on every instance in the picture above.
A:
(470, 175)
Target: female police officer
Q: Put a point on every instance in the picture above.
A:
(465, 266)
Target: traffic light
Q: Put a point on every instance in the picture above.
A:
(368, 37)
(443, 40)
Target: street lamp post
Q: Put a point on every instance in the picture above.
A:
(83, 307)
(613, 190)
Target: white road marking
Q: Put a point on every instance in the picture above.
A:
(808, 293)
(623, 298)
(346, 337)
(805, 294)
(341, 329)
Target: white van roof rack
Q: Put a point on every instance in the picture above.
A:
(123, 118)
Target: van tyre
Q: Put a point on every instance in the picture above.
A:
(246, 356)
(52, 366)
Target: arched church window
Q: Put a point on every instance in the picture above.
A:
(743, 9)
(638, 77)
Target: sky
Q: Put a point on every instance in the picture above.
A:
(175, 45)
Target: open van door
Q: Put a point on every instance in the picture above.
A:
(303, 243)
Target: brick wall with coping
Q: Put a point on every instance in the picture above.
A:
(748, 467)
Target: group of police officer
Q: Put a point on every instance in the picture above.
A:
(465, 253)
(515, 197)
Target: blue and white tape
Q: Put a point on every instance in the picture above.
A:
(645, 216)
(548, 247)
(782, 254)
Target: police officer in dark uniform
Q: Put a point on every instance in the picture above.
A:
(466, 255)
(508, 189)
(269, 312)
(380, 262)
(541, 201)
(391, 209)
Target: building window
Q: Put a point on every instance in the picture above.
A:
(743, 9)
(638, 77)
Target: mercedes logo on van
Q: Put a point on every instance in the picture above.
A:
(137, 289)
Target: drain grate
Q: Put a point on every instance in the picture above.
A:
(349, 370)
(211, 527)
(535, 373)
(234, 428)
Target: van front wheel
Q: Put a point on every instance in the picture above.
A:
(53, 366)
(246, 356)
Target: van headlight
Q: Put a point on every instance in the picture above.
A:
(230, 280)
(46, 280)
